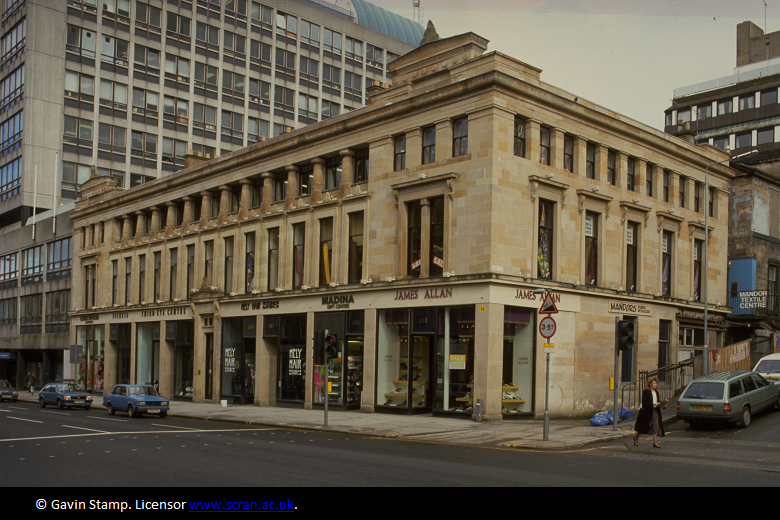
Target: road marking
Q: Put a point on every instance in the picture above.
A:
(134, 433)
(20, 419)
(7, 411)
(169, 426)
(60, 413)
(80, 428)
(106, 418)
(17, 408)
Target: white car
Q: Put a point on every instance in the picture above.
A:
(769, 367)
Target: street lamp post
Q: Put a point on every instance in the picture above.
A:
(705, 367)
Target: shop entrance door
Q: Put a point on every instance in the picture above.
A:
(248, 372)
(418, 374)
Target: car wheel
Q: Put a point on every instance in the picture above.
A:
(111, 410)
(43, 405)
(131, 411)
(746, 418)
(163, 415)
(59, 404)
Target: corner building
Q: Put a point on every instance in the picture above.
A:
(416, 229)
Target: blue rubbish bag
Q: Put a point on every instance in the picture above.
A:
(601, 419)
(626, 413)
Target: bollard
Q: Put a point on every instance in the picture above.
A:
(478, 410)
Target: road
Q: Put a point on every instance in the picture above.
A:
(97, 449)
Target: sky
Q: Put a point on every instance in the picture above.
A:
(627, 56)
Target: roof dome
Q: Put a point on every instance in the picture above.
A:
(387, 23)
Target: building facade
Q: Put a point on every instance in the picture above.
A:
(416, 229)
(35, 289)
(131, 87)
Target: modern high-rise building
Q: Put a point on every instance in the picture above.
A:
(132, 86)
(129, 88)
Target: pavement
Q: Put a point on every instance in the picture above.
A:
(525, 434)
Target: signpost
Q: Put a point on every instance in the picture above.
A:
(547, 328)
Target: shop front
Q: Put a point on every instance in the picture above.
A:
(342, 377)
(147, 354)
(180, 334)
(238, 360)
(286, 336)
(91, 342)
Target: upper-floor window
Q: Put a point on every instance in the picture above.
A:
(9, 272)
(667, 265)
(333, 172)
(260, 56)
(280, 186)
(747, 101)
(261, 16)
(284, 99)
(611, 167)
(460, 137)
(683, 116)
(8, 311)
(206, 39)
(649, 179)
(286, 24)
(429, 145)
(285, 64)
(399, 153)
(113, 98)
(299, 253)
(178, 29)
(11, 133)
(331, 41)
(698, 246)
(12, 89)
(116, 14)
(725, 106)
(769, 97)
(234, 45)
(632, 257)
(310, 33)
(697, 186)
(374, 55)
(148, 21)
(544, 145)
(591, 247)
(173, 152)
(80, 43)
(704, 111)
(326, 250)
(77, 137)
(519, 137)
(631, 174)
(306, 179)
(744, 140)
(32, 265)
(235, 12)
(568, 153)
(329, 109)
(233, 87)
(256, 129)
(721, 142)
(114, 55)
(273, 258)
(353, 49)
(111, 142)
(177, 72)
(146, 106)
(355, 257)
(766, 135)
(206, 80)
(353, 84)
(590, 161)
(361, 165)
(146, 64)
(232, 127)
(307, 108)
(666, 186)
(683, 182)
(546, 231)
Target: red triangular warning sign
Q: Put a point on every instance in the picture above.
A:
(548, 305)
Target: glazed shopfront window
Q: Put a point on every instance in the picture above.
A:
(290, 336)
(517, 385)
(90, 368)
(455, 360)
(147, 354)
(345, 371)
(123, 353)
(183, 359)
(238, 359)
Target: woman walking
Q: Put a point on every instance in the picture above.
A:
(649, 419)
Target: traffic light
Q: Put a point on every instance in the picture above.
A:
(331, 349)
(319, 350)
(625, 338)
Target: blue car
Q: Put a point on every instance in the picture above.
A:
(136, 400)
(64, 395)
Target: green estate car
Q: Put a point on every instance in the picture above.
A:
(727, 397)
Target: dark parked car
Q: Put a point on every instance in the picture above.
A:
(8, 392)
(136, 400)
(727, 397)
(64, 395)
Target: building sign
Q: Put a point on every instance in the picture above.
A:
(630, 236)
(438, 261)
(338, 302)
(429, 294)
(172, 311)
(529, 295)
(230, 360)
(752, 299)
(457, 361)
(89, 318)
(739, 351)
(295, 362)
(629, 308)
(254, 306)
(589, 226)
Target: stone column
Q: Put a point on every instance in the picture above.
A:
(658, 182)
(444, 136)
(640, 176)
(127, 229)
(413, 147)
(556, 148)
(245, 203)
(170, 217)
(224, 199)
(318, 179)
(425, 237)
(580, 156)
(268, 192)
(155, 218)
(205, 204)
(140, 223)
(189, 209)
(532, 128)
(674, 188)
(347, 171)
(292, 185)
(488, 360)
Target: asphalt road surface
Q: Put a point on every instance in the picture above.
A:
(39, 447)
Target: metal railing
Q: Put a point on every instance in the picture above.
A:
(755, 303)
(672, 380)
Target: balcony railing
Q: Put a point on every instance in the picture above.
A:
(755, 303)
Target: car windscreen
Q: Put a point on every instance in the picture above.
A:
(67, 387)
(5, 384)
(141, 390)
(768, 366)
(704, 391)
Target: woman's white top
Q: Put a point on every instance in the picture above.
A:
(655, 398)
